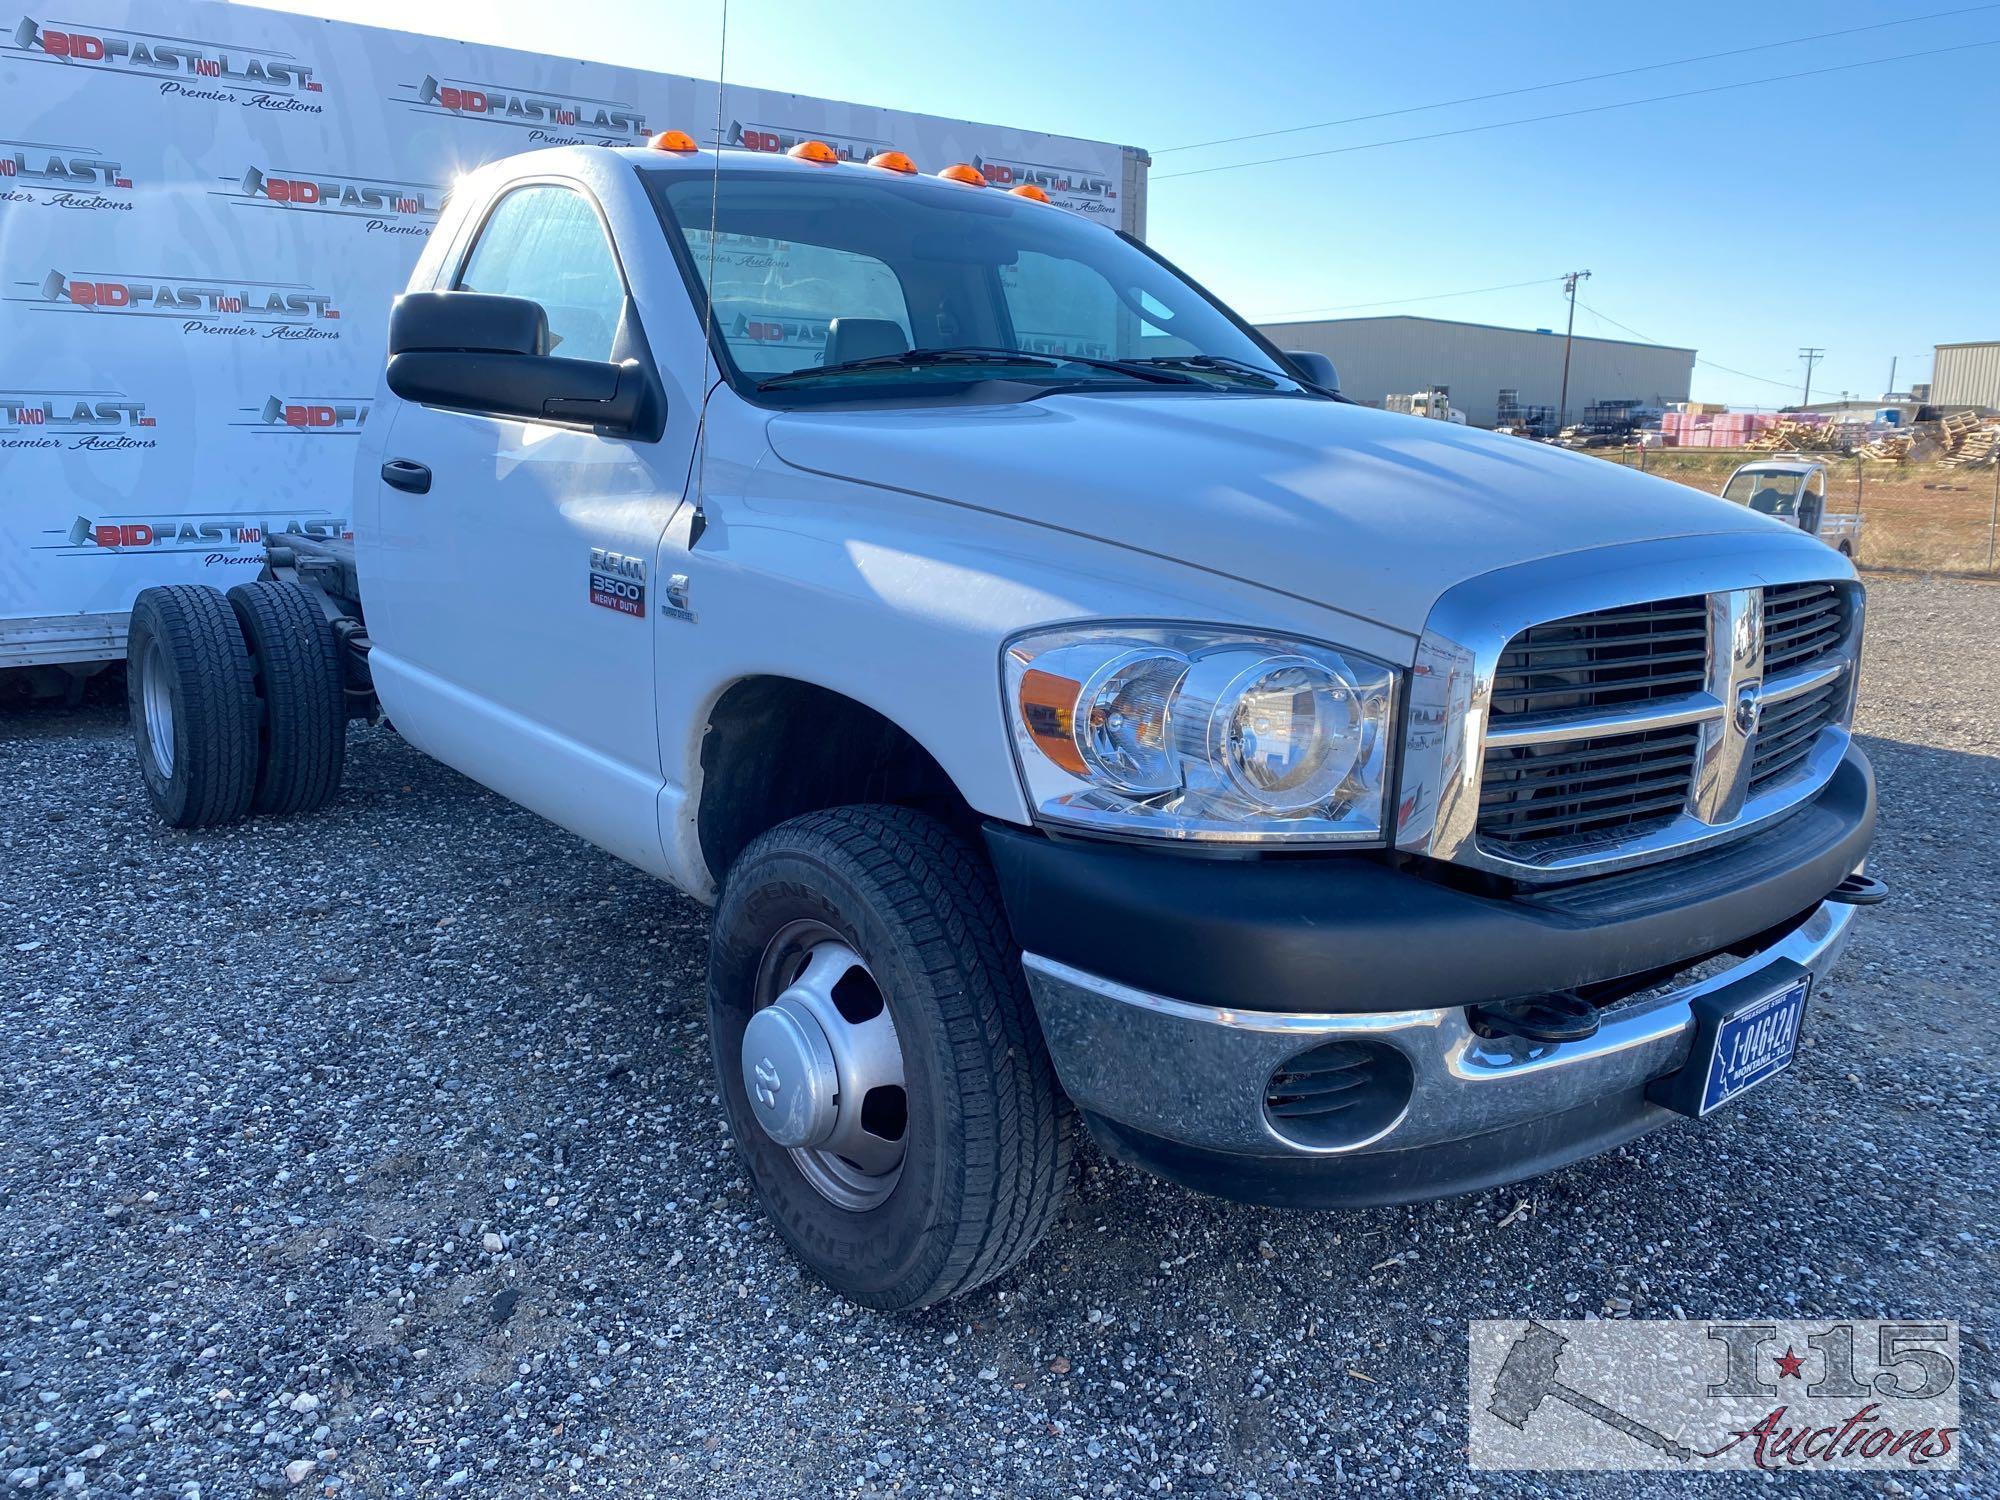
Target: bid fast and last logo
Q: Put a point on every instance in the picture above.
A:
(775, 140)
(50, 175)
(1088, 193)
(84, 421)
(306, 416)
(225, 541)
(385, 205)
(199, 69)
(549, 118)
(240, 309)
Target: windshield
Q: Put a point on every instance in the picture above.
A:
(909, 284)
(1773, 494)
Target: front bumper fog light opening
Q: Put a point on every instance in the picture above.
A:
(1338, 1094)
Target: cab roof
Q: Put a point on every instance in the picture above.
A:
(1780, 466)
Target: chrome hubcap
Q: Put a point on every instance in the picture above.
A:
(823, 1069)
(158, 703)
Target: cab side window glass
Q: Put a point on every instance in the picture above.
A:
(545, 243)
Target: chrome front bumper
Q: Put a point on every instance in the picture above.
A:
(1196, 1075)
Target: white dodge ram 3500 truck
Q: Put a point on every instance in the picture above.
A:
(1069, 703)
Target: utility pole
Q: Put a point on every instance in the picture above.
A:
(1891, 390)
(1569, 333)
(1811, 357)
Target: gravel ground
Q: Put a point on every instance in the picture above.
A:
(376, 1153)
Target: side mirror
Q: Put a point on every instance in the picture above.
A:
(473, 352)
(1316, 368)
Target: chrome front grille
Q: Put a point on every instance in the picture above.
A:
(1802, 623)
(1594, 788)
(1635, 731)
(1626, 655)
(1788, 732)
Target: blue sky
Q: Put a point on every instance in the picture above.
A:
(1846, 210)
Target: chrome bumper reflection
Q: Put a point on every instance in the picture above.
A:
(1197, 1074)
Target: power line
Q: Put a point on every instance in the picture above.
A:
(1563, 83)
(1711, 364)
(1567, 114)
(1312, 312)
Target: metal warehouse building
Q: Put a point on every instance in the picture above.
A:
(1379, 357)
(1966, 375)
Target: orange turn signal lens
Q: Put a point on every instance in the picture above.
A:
(1048, 710)
(1029, 190)
(892, 161)
(673, 140)
(815, 151)
(966, 173)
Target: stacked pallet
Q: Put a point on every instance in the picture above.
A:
(1954, 428)
(1973, 442)
(1892, 449)
(1797, 437)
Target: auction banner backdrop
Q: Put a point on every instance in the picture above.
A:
(205, 212)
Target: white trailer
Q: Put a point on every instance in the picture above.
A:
(208, 209)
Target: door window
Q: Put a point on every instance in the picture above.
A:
(545, 243)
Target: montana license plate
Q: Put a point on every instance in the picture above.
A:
(1744, 1034)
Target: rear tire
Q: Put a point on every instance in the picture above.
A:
(296, 660)
(986, 1131)
(193, 705)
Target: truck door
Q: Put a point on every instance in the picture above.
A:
(1812, 505)
(517, 591)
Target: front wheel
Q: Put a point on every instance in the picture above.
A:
(879, 1058)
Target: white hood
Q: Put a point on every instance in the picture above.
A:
(1368, 512)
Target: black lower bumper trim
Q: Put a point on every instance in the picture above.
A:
(1357, 933)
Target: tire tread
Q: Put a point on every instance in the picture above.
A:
(218, 706)
(299, 678)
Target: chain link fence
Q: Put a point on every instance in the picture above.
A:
(1918, 516)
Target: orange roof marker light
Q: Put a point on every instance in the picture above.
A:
(673, 140)
(1029, 190)
(966, 173)
(815, 151)
(892, 161)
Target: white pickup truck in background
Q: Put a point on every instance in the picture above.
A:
(1794, 490)
(1069, 703)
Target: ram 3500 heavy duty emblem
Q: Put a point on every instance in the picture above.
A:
(617, 581)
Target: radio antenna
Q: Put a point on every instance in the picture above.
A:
(699, 523)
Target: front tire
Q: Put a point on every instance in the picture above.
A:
(193, 705)
(882, 920)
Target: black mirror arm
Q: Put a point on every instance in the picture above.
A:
(617, 409)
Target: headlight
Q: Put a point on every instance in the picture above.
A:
(1192, 733)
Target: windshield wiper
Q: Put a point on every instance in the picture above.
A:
(917, 359)
(1221, 364)
(910, 359)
